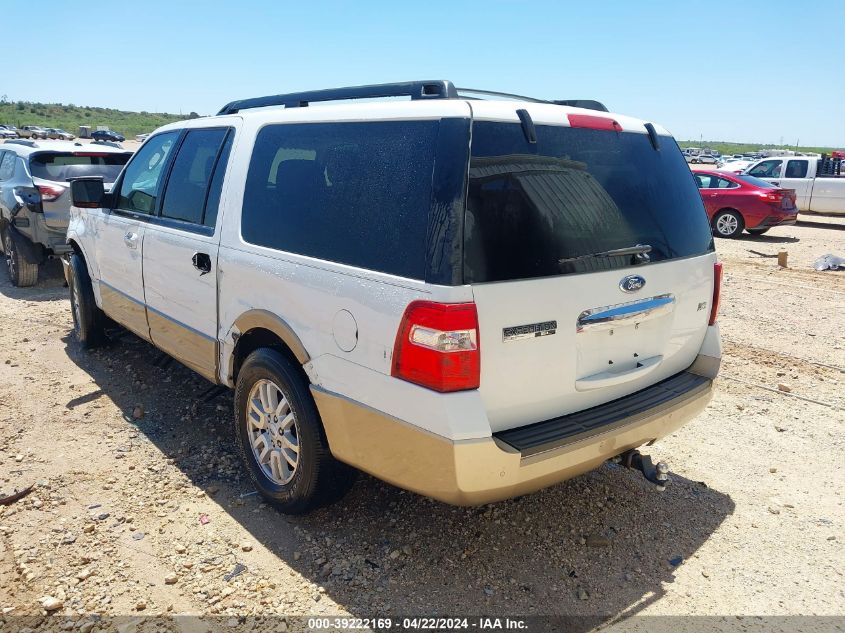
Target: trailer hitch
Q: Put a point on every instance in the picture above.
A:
(658, 474)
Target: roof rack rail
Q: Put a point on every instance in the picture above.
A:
(436, 89)
(587, 104)
(491, 93)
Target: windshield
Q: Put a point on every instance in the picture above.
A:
(62, 166)
(535, 210)
(757, 182)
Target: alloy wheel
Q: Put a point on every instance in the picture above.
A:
(727, 224)
(273, 432)
(10, 260)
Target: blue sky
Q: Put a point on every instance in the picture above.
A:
(742, 71)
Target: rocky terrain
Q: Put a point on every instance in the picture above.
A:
(140, 506)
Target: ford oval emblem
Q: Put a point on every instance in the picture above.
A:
(631, 283)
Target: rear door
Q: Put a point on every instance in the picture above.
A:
(118, 246)
(180, 252)
(561, 328)
(795, 176)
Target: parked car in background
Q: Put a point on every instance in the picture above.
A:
(818, 182)
(736, 202)
(703, 159)
(35, 201)
(107, 135)
(58, 133)
(6, 132)
(33, 131)
(736, 166)
(489, 372)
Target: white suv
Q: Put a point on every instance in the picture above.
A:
(471, 299)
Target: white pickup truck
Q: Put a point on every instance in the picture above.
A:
(819, 183)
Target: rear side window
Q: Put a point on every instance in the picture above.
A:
(353, 193)
(62, 166)
(751, 180)
(547, 208)
(212, 203)
(190, 177)
(796, 169)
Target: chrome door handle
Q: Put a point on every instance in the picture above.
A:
(609, 317)
(131, 239)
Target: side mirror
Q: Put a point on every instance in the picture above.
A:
(87, 193)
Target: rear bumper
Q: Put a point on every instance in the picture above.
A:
(470, 472)
(776, 220)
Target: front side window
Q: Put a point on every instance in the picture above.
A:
(188, 184)
(766, 169)
(796, 169)
(353, 193)
(142, 178)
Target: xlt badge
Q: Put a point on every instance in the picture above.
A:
(532, 330)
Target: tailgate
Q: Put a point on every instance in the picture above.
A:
(590, 258)
(554, 346)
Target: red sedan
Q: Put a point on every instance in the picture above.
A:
(735, 202)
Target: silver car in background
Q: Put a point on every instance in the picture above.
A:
(35, 197)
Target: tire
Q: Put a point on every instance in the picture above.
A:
(757, 231)
(727, 223)
(88, 319)
(266, 378)
(22, 273)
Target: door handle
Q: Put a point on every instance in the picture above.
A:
(635, 312)
(202, 262)
(131, 239)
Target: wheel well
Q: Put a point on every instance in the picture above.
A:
(257, 338)
(76, 249)
(737, 211)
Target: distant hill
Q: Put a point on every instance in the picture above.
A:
(70, 117)
(726, 147)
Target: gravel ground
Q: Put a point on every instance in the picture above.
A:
(141, 507)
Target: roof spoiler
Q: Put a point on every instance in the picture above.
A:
(587, 104)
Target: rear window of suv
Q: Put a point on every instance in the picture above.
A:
(543, 209)
(62, 166)
(355, 193)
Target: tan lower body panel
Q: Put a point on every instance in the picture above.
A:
(470, 472)
(125, 310)
(191, 348)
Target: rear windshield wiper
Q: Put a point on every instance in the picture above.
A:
(640, 253)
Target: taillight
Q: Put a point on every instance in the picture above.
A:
(437, 346)
(772, 196)
(49, 193)
(717, 292)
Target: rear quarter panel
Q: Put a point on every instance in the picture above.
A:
(328, 304)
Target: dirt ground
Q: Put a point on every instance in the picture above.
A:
(141, 506)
